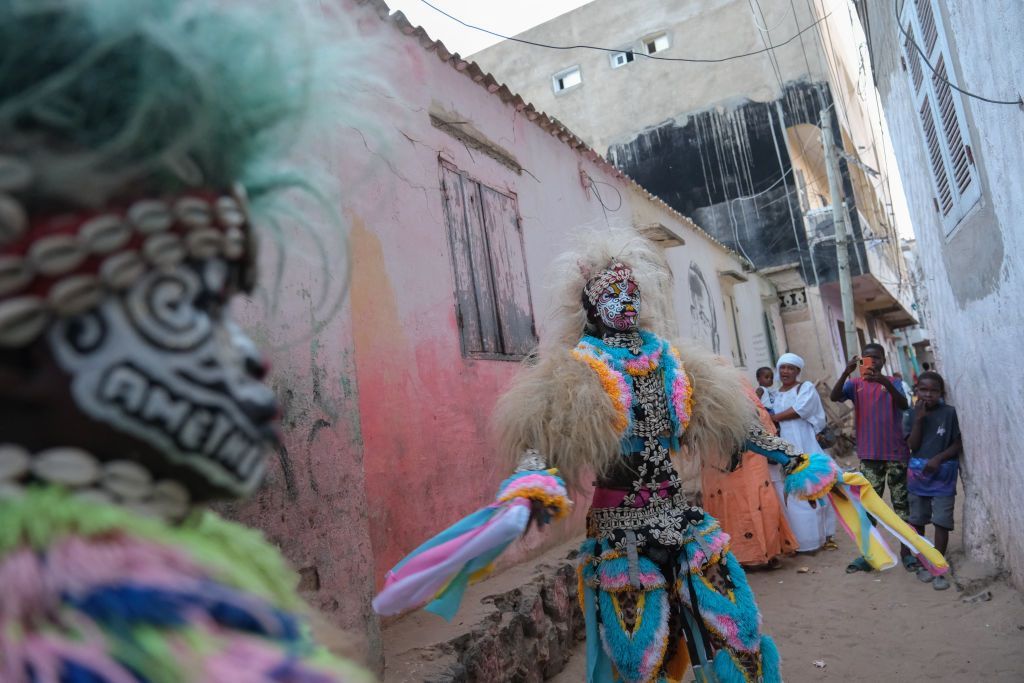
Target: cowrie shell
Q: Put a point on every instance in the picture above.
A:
(230, 213)
(75, 294)
(14, 274)
(13, 219)
(204, 243)
(22, 319)
(14, 462)
(104, 234)
(56, 255)
(192, 212)
(164, 250)
(170, 498)
(141, 508)
(67, 466)
(234, 244)
(150, 216)
(95, 496)
(15, 174)
(121, 271)
(126, 479)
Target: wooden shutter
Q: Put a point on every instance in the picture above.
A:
(940, 112)
(508, 266)
(491, 289)
(474, 295)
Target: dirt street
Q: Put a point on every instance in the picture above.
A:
(879, 627)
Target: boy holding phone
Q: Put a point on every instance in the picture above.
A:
(878, 404)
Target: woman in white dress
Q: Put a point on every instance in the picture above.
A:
(800, 416)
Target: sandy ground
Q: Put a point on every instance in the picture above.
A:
(879, 627)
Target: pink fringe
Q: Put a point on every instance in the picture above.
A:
(74, 565)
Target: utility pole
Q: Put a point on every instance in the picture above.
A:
(839, 221)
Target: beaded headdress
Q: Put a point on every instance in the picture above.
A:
(615, 272)
(63, 263)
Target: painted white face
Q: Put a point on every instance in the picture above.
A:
(164, 363)
(618, 306)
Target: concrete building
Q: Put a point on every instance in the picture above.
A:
(458, 195)
(961, 160)
(734, 141)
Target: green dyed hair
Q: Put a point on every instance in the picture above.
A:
(125, 97)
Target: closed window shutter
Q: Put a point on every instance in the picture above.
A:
(508, 266)
(491, 289)
(941, 114)
(933, 144)
(952, 128)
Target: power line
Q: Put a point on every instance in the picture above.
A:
(696, 60)
(924, 58)
(766, 40)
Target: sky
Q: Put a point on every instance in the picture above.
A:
(507, 17)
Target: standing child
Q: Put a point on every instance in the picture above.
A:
(935, 449)
(765, 388)
(878, 405)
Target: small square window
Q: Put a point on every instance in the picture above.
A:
(622, 58)
(570, 78)
(656, 43)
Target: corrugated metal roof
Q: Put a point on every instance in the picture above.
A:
(545, 122)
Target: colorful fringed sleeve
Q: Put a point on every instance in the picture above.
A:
(437, 573)
(813, 476)
(809, 476)
(92, 593)
(854, 501)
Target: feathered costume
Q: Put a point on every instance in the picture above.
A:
(130, 133)
(660, 590)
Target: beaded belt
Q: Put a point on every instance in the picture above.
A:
(655, 514)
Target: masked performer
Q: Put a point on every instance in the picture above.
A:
(129, 133)
(607, 394)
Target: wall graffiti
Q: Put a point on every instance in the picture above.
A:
(703, 317)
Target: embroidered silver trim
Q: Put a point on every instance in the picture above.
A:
(663, 518)
(631, 341)
(531, 460)
(759, 437)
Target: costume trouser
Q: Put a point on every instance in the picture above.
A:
(651, 611)
(880, 472)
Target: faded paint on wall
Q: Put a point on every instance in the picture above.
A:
(312, 504)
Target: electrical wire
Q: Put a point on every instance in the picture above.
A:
(766, 40)
(695, 60)
(924, 58)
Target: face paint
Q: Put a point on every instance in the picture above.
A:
(163, 363)
(618, 305)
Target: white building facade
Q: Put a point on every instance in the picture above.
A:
(961, 159)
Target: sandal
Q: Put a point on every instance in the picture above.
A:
(911, 564)
(940, 583)
(858, 565)
(830, 544)
(924, 575)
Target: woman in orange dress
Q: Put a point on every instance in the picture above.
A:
(745, 503)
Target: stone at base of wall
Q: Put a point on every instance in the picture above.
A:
(971, 574)
(520, 626)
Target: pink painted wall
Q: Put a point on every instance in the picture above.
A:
(386, 422)
(313, 503)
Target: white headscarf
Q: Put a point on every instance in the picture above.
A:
(790, 359)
